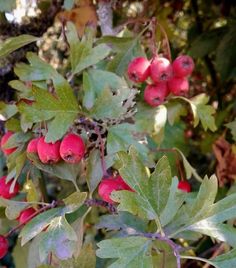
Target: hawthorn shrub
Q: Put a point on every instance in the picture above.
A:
(91, 179)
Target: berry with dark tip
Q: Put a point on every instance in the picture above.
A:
(72, 148)
(155, 95)
(49, 153)
(160, 70)
(138, 69)
(183, 66)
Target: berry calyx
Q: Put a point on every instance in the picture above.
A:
(184, 186)
(72, 148)
(107, 186)
(138, 69)
(26, 215)
(183, 66)
(3, 246)
(32, 146)
(49, 153)
(4, 140)
(5, 188)
(178, 86)
(155, 95)
(160, 70)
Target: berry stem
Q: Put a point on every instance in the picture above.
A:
(153, 40)
(166, 40)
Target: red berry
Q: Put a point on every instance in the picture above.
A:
(155, 95)
(184, 186)
(107, 186)
(26, 215)
(33, 146)
(160, 70)
(3, 246)
(4, 140)
(49, 153)
(5, 188)
(138, 69)
(72, 148)
(178, 86)
(183, 66)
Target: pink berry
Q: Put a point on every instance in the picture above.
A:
(4, 140)
(5, 188)
(49, 153)
(160, 70)
(3, 246)
(72, 148)
(32, 146)
(184, 186)
(183, 66)
(155, 95)
(138, 69)
(107, 186)
(178, 86)
(26, 215)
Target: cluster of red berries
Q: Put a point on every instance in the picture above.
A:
(71, 149)
(166, 77)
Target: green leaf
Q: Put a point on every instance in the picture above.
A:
(131, 252)
(13, 208)
(42, 220)
(113, 106)
(61, 170)
(13, 124)
(79, 49)
(13, 43)
(148, 197)
(225, 53)
(75, 200)
(201, 111)
(174, 202)
(86, 259)
(203, 214)
(7, 110)
(38, 70)
(130, 49)
(227, 260)
(207, 42)
(23, 90)
(232, 127)
(175, 110)
(121, 137)
(97, 54)
(190, 171)
(60, 239)
(123, 221)
(94, 171)
(60, 110)
(95, 81)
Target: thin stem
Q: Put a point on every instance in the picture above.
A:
(175, 247)
(102, 151)
(166, 40)
(196, 258)
(43, 188)
(100, 203)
